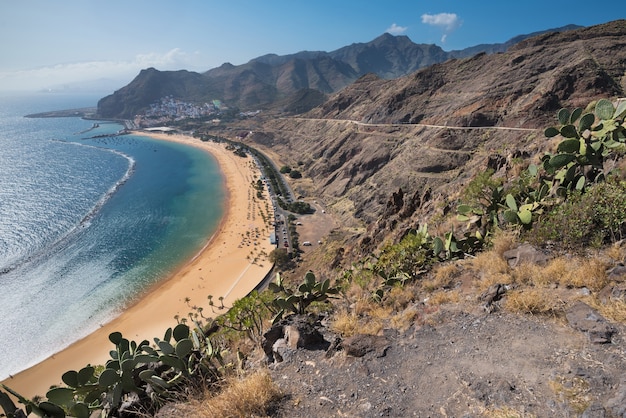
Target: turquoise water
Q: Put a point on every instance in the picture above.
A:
(86, 225)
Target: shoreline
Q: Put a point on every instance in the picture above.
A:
(222, 267)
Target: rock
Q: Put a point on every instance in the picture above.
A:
(496, 162)
(361, 344)
(302, 335)
(613, 293)
(594, 411)
(586, 319)
(493, 294)
(269, 339)
(394, 204)
(280, 350)
(616, 272)
(617, 404)
(525, 253)
(365, 407)
(334, 347)
(291, 333)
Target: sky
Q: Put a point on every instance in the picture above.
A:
(65, 44)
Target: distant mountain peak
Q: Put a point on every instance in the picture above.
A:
(270, 79)
(390, 37)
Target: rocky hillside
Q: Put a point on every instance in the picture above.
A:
(269, 80)
(390, 154)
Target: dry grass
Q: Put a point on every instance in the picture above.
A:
(589, 273)
(504, 241)
(616, 252)
(443, 297)
(367, 317)
(534, 289)
(535, 275)
(555, 271)
(250, 397)
(441, 277)
(614, 310)
(491, 268)
(363, 306)
(536, 301)
(505, 412)
(399, 297)
(574, 391)
(377, 319)
(355, 292)
(573, 272)
(404, 319)
(345, 323)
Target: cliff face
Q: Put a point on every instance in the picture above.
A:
(393, 153)
(270, 80)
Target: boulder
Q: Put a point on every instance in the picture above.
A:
(291, 333)
(361, 344)
(525, 253)
(586, 319)
(613, 293)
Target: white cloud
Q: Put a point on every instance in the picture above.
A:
(446, 21)
(396, 30)
(125, 71)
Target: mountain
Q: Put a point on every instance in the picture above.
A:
(387, 155)
(502, 47)
(266, 80)
(148, 87)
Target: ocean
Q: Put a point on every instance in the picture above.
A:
(87, 225)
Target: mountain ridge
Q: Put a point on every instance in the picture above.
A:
(265, 80)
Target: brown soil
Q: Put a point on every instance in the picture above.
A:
(314, 228)
(461, 365)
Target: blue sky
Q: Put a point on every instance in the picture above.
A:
(47, 44)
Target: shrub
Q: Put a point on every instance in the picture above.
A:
(296, 301)
(405, 258)
(247, 315)
(281, 258)
(594, 218)
(295, 174)
(297, 207)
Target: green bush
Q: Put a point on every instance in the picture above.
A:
(297, 207)
(593, 218)
(406, 258)
(296, 301)
(247, 315)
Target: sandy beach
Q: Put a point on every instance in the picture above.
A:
(231, 264)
